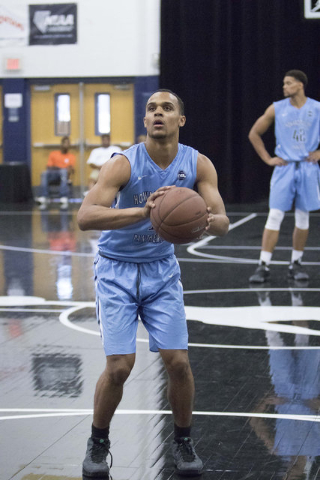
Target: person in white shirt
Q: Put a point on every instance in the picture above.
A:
(99, 156)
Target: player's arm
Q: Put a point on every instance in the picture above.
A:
(96, 213)
(207, 185)
(255, 137)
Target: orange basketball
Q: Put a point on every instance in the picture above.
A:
(179, 216)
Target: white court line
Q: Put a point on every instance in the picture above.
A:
(39, 212)
(32, 310)
(48, 252)
(253, 289)
(192, 249)
(242, 247)
(85, 412)
(74, 213)
(207, 258)
(64, 319)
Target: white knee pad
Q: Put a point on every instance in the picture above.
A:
(274, 219)
(301, 219)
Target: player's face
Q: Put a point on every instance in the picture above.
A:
(291, 86)
(163, 118)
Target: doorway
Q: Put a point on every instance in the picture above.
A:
(73, 110)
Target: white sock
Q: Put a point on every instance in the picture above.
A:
(296, 255)
(265, 257)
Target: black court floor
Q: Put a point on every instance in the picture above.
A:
(255, 355)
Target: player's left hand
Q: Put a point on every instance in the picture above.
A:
(313, 157)
(210, 218)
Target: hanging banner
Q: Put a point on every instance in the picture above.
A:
(312, 9)
(53, 24)
(13, 25)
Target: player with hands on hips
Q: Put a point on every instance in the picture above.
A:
(134, 262)
(296, 176)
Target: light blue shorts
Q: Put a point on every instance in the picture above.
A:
(151, 291)
(297, 183)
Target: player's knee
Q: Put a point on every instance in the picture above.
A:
(178, 366)
(119, 375)
(301, 219)
(274, 219)
(118, 370)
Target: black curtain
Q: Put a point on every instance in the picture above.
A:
(227, 59)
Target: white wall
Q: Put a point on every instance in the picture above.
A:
(115, 38)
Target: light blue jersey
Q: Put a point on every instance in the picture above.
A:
(297, 130)
(139, 242)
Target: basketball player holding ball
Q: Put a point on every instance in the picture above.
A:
(137, 273)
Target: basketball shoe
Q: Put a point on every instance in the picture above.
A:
(95, 463)
(261, 274)
(187, 461)
(297, 272)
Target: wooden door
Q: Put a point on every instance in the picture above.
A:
(44, 134)
(83, 128)
(121, 116)
(1, 127)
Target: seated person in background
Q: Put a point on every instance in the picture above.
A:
(99, 156)
(60, 166)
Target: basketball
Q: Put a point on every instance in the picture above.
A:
(179, 216)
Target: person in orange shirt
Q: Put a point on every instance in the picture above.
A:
(60, 166)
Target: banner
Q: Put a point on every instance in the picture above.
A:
(53, 24)
(13, 25)
(312, 9)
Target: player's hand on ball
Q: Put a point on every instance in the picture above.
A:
(179, 215)
(150, 201)
(210, 218)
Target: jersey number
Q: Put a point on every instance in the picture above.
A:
(299, 135)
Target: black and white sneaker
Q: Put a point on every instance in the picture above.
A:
(261, 274)
(95, 463)
(186, 460)
(297, 272)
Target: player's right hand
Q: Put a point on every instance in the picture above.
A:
(277, 162)
(150, 201)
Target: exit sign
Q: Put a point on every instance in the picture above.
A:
(12, 64)
(312, 9)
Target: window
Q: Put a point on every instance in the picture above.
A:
(62, 121)
(102, 113)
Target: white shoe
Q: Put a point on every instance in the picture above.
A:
(41, 199)
(43, 202)
(64, 201)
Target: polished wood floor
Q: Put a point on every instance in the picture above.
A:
(255, 354)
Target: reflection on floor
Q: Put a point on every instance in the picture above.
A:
(255, 354)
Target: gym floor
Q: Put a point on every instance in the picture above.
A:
(254, 351)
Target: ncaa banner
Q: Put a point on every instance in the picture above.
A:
(53, 24)
(312, 9)
(13, 25)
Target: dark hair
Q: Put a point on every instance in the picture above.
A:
(105, 135)
(298, 75)
(180, 102)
